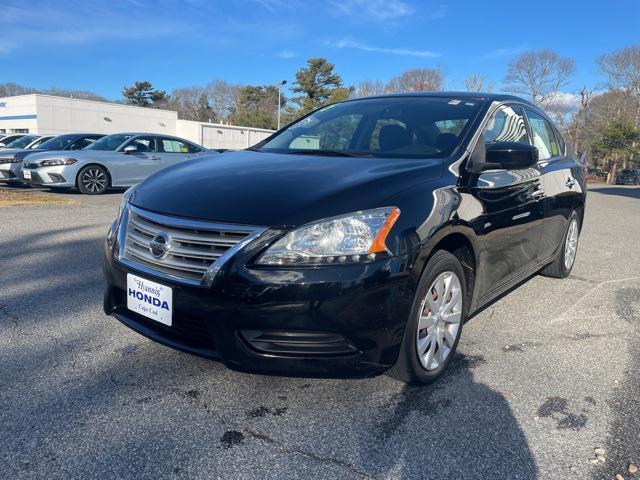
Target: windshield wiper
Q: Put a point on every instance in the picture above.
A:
(329, 152)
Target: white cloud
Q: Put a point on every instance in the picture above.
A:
(24, 27)
(564, 101)
(379, 10)
(503, 53)
(287, 54)
(404, 52)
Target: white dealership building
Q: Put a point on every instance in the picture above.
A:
(51, 115)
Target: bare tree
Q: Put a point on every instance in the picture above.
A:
(476, 83)
(417, 80)
(368, 88)
(223, 98)
(10, 89)
(622, 68)
(539, 75)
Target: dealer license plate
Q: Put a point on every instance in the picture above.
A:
(27, 174)
(150, 299)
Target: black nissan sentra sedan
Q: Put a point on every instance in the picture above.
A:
(356, 240)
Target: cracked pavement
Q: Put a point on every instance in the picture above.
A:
(542, 377)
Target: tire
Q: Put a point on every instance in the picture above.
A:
(412, 367)
(562, 265)
(93, 180)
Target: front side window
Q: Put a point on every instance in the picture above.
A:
(402, 127)
(544, 138)
(506, 125)
(144, 144)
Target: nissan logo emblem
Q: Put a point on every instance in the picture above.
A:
(160, 245)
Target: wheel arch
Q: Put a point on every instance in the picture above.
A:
(459, 241)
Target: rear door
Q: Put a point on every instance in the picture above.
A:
(560, 181)
(511, 225)
(134, 167)
(174, 150)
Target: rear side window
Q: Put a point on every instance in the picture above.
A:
(544, 138)
(171, 145)
(506, 125)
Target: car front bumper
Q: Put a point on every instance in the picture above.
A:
(10, 172)
(57, 176)
(339, 321)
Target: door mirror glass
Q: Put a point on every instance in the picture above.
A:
(130, 149)
(510, 155)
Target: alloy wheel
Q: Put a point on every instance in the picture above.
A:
(440, 315)
(94, 180)
(571, 245)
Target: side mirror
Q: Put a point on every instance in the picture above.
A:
(510, 155)
(130, 149)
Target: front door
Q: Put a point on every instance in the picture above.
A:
(135, 166)
(511, 224)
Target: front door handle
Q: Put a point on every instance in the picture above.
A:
(538, 194)
(154, 157)
(570, 182)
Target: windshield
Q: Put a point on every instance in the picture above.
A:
(38, 142)
(403, 127)
(22, 141)
(61, 142)
(110, 142)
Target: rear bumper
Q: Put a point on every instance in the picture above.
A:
(339, 322)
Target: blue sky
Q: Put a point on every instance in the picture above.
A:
(102, 46)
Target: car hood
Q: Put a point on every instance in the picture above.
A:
(10, 152)
(270, 189)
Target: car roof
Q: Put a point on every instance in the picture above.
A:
(493, 97)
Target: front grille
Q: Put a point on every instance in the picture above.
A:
(31, 165)
(191, 247)
(7, 174)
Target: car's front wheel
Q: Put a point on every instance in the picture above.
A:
(435, 323)
(562, 265)
(93, 180)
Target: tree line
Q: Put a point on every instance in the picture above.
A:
(603, 125)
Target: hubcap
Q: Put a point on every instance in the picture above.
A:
(439, 321)
(571, 244)
(94, 180)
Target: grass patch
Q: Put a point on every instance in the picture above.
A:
(10, 198)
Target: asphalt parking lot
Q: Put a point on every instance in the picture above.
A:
(542, 378)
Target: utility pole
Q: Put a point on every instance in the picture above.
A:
(280, 85)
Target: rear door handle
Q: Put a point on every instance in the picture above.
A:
(570, 182)
(155, 157)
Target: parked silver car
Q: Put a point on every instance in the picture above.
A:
(119, 160)
(11, 158)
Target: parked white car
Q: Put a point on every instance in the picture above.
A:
(118, 160)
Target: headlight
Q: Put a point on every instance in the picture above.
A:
(115, 226)
(356, 237)
(57, 161)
